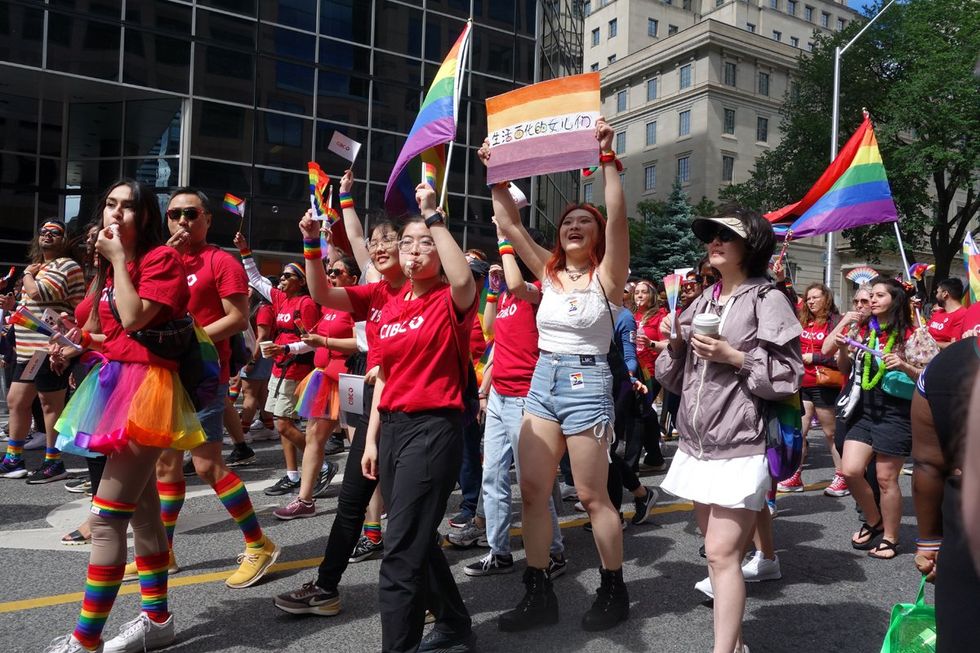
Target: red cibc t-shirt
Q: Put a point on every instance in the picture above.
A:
(287, 310)
(332, 324)
(811, 342)
(647, 355)
(946, 327)
(367, 302)
(515, 348)
(158, 277)
(212, 275)
(424, 345)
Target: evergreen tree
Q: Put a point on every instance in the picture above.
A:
(662, 240)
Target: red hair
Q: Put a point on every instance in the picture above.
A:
(557, 260)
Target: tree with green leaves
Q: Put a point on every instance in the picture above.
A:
(661, 239)
(914, 72)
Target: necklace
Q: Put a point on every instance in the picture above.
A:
(870, 383)
(575, 275)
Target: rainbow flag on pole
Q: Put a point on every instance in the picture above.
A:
(434, 126)
(852, 192)
(234, 205)
(971, 259)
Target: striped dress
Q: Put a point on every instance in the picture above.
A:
(61, 286)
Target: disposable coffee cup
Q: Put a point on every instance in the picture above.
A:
(265, 345)
(706, 324)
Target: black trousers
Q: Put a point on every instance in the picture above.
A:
(419, 459)
(355, 494)
(637, 431)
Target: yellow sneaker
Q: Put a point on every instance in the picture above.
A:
(253, 565)
(131, 573)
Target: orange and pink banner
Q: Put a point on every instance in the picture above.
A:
(543, 128)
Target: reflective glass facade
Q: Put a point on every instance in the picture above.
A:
(237, 95)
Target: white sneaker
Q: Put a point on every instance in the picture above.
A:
(68, 644)
(142, 634)
(36, 440)
(704, 586)
(568, 492)
(258, 432)
(757, 568)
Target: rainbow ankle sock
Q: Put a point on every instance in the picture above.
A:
(234, 497)
(15, 450)
(153, 585)
(233, 393)
(101, 586)
(372, 531)
(51, 454)
(171, 501)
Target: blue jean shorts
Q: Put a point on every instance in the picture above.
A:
(261, 370)
(212, 416)
(573, 390)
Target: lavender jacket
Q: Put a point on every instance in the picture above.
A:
(722, 411)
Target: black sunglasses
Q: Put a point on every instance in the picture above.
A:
(288, 275)
(53, 233)
(724, 234)
(334, 272)
(189, 212)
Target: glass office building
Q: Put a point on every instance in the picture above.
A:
(237, 95)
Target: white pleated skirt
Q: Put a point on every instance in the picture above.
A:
(731, 483)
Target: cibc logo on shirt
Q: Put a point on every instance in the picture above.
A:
(507, 312)
(191, 279)
(937, 326)
(284, 317)
(814, 335)
(398, 328)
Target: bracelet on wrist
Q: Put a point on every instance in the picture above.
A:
(504, 247)
(346, 201)
(492, 297)
(246, 253)
(86, 341)
(311, 249)
(610, 157)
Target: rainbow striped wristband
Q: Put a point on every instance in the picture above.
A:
(504, 247)
(346, 201)
(492, 297)
(311, 249)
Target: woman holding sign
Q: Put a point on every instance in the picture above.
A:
(569, 405)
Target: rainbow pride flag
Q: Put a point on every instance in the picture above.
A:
(434, 126)
(481, 365)
(25, 319)
(543, 128)
(234, 205)
(318, 184)
(852, 192)
(971, 259)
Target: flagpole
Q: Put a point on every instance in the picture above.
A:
(835, 127)
(457, 91)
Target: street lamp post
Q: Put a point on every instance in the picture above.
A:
(835, 119)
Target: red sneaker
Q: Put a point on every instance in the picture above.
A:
(837, 487)
(793, 484)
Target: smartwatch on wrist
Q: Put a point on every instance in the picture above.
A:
(433, 219)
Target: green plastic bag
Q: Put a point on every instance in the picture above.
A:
(913, 626)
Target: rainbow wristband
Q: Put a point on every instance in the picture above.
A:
(246, 253)
(492, 297)
(311, 249)
(86, 341)
(504, 247)
(346, 201)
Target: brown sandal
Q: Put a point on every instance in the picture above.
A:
(884, 545)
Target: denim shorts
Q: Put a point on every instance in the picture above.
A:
(260, 370)
(212, 416)
(573, 390)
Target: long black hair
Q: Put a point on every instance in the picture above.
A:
(899, 315)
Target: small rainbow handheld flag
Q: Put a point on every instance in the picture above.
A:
(319, 182)
(429, 174)
(971, 259)
(23, 318)
(918, 271)
(234, 205)
(672, 287)
(481, 365)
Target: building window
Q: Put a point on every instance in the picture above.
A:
(620, 142)
(587, 7)
(612, 28)
(728, 126)
(719, 3)
(595, 37)
(841, 24)
(750, 27)
(651, 27)
(671, 29)
(824, 19)
(650, 177)
(808, 13)
(594, 67)
(621, 101)
(764, 84)
(731, 70)
(762, 130)
(777, 35)
(774, 4)
(652, 133)
(611, 59)
(791, 7)
(684, 169)
(651, 89)
(728, 168)
(795, 42)
(684, 123)
(685, 75)
(622, 180)
(587, 193)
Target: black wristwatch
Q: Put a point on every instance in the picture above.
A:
(432, 219)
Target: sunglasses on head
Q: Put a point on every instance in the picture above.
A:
(724, 234)
(189, 212)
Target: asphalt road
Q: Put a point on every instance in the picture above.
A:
(830, 599)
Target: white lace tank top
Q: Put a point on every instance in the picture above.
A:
(574, 321)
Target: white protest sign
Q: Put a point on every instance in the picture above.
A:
(344, 147)
(351, 390)
(33, 365)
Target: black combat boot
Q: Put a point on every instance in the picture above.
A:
(612, 602)
(539, 607)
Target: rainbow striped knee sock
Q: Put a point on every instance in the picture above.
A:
(372, 531)
(153, 585)
(52, 454)
(171, 501)
(101, 586)
(234, 497)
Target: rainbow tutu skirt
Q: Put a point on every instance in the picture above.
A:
(318, 396)
(120, 402)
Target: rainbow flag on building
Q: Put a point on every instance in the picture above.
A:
(852, 192)
(434, 126)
